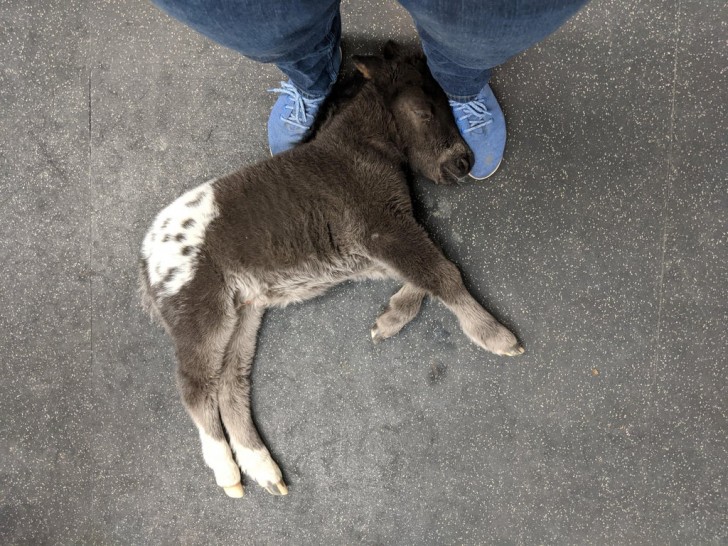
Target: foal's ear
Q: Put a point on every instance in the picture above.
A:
(369, 66)
(391, 50)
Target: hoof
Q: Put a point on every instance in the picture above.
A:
(376, 336)
(277, 488)
(515, 351)
(235, 491)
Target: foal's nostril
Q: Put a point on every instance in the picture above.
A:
(463, 165)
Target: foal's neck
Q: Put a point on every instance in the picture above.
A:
(365, 122)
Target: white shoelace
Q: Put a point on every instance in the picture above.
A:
(475, 112)
(301, 109)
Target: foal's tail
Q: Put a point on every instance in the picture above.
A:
(149, 303)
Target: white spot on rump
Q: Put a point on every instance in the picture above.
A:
(189, 214)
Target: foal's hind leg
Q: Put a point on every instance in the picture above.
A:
(402, 308)
(250, 451)
(202, 407)
(201, 342)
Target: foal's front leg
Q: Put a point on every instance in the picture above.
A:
(404, 246)
(402, 308)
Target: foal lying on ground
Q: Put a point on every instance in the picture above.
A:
(286, 229)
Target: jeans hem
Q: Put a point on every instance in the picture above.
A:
(332, 43)
(461, 98)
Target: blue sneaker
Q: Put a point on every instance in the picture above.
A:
(483, 127)
(292, 115)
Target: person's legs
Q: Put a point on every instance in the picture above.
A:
(301, 37)
(464, 40)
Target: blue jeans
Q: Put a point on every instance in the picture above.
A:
(463, 40)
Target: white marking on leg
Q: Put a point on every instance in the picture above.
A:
(218, 456)
(258, 464)
(172, 244)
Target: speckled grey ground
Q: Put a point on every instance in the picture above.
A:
(602, 241)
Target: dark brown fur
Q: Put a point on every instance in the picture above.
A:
(335, 208)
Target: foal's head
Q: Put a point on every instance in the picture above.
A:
(425, 124)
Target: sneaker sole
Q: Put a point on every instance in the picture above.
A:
(487, 175)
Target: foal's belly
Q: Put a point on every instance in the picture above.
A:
(281, 288)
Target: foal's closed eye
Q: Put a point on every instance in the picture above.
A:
(424, 115)
(419, 107)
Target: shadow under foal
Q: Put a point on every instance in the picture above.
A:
(284, 230)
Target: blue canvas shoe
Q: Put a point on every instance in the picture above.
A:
(483, 127)
(292, 115)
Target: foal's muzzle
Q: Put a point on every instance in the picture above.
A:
(456, 164)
